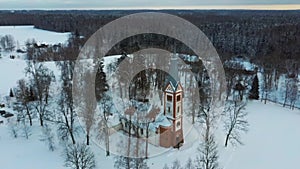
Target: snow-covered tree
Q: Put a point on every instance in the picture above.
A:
(67, 115)
(13, 128)
(8, 43)
(26, 130)
(291, 92)
(79, 156)
(48, 137)
(267, 84)
(207, 157)
(106, 105)
(24, 99)
(40, 80)
(176, 164)
(189, 164)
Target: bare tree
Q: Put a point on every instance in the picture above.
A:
(267, 84)
(106, 105)
(48, 137)
(79, 156)
(122, 162)
(24, 97)
(66, 119)
(208, 154)
(40, 78)
(26, 130)
(176, 164)
(189, 164)
(208, 150)
(235, 121)
(66, 122)
(13, 128)
(291, 92)
(89, 107)
(8, 43)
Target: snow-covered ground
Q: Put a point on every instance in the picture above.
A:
(27, 154)
(12, 70)
(271, 143)
(22, 33)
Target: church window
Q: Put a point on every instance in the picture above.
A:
(178, 98)
(178, 124)
(169, 98)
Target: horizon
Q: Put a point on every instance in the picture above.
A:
(233, 7)
(74, 5)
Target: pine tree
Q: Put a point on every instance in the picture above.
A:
(11, 94)
(254, 92)
(100, 82)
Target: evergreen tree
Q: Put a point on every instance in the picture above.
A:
(254, 92)
(11, 94)
(101, 85)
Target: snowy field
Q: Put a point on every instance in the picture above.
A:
(272, 143)
(12, 70)
(21, 153)
(22, 33)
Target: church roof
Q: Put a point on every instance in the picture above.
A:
(161, 120)
(173, 79)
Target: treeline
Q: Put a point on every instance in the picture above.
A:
(268, 37)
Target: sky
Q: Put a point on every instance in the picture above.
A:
(149, 4)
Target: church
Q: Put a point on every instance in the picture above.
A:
(166, 125)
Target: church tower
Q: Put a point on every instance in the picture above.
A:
(173, 108)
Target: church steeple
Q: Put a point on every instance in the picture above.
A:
(173, 107)
(174, 70)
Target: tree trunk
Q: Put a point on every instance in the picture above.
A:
(107, 141)
(266, 95)
(29, 116)
(227, 139)
(129, 142)
(87, 139)
(72, 137)
(41, 120)
(147, 142)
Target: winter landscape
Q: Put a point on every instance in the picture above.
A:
(64, 106)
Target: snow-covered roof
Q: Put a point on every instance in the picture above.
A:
(240, 63)
(173, 87)
(160, 120)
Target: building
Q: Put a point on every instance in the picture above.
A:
(166, 125)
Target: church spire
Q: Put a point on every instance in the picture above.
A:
(174, 69)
